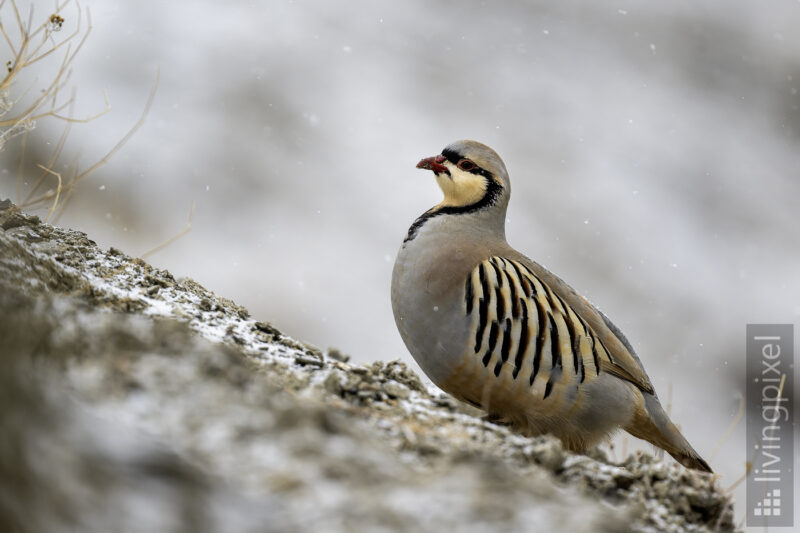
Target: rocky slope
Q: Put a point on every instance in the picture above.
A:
(134, 401)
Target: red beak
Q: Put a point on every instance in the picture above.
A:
(434, 163)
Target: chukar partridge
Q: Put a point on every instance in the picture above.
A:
(499, 331)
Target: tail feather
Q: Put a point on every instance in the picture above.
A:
(693, 461)
(651, 423)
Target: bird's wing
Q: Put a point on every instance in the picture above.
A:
(622, 360)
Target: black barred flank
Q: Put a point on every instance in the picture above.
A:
(483, 280)
(584, 325)
(500, 302)
(523, 280)
(577, 358)
(505, 347)
(515, 304)
(555, 349)
(495, 315)
(493, 332)
(483, 310)
(530, 276)
(537, 354)
(469, 293)
(498, 366)
(574, 340)
(524, 336)
(555, 300)
(555, 343)
(483, 307)
(590, 336)
(548, 388)
(596, 358)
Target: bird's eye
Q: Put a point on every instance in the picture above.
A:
(466, 164)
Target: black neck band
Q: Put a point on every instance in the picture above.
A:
(493, 190)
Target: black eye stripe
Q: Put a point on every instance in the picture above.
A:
(454, 157)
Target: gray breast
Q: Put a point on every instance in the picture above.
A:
(428, 288)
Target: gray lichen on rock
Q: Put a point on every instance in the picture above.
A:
(131, 400)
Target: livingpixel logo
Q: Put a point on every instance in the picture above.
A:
(770, 437)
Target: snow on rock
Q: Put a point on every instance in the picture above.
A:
(131, 400)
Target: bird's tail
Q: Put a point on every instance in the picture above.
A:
(652, 424)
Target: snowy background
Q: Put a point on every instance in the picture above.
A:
(654, 153)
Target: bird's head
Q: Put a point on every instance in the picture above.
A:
(471, 175)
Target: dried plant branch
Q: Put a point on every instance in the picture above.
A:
(83, 120)
(128, 135)
(30, 44)
(53, 158)
(21, 164)
(103, 160)
(175, 237)
(58, 190)
(48, 35)
(27, 54)
(5, 34)
(734, 422)
(72, 171)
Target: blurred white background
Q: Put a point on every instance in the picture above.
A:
(654, 153)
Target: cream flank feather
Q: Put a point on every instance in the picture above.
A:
(498, 330)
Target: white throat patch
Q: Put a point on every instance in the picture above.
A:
(460, 188)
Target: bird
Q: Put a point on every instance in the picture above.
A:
(497, 330)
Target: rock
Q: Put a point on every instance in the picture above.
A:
(267, 328)
(133, 401)
(396, 390)
(306, 360)
(334, 353)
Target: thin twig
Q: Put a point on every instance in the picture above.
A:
(8, 39)
(127, 136)
(73, 182)
(87, 119)
(72, 171)
(174, 238)
(22, 150)
(56, 46)
(53, 158)
(58, 190)
(727, 433)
